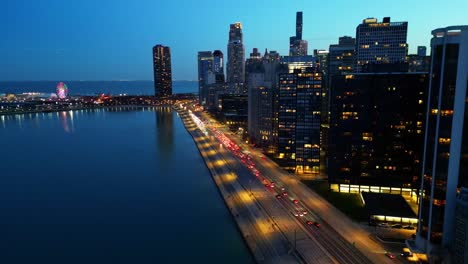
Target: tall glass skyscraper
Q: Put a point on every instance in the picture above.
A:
(298, 46)
(206, 75)
(236, 59)
(162, 71)
(218, 63)
(445, 160)
(380, 42)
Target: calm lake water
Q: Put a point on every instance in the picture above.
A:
(109, 186)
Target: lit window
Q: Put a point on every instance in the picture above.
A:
(444, 141)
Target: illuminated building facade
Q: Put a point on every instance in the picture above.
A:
(380, 43)
(236, 60)
(299, 106)
(445, 160)
(298, 46)
(162, 71)
(298, 62)
(377, 129)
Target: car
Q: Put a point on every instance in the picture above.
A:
(272, 184)
(406, 254)
(304, 212)
(397, 226)
(279, 196)
(309, 222)
(295, 201)
(282, 188)
(316, 224)
(409, 227)
(295, 213)
(390, 255)
(285, 194)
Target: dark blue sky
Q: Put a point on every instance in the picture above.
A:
(112, 39)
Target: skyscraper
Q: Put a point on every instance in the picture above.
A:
(218, 61)
(218, 65)
(299, 120)
(298, 46)
(236, 59)
(206, 75)
(162, 71)
(380, 43)
(445, 160)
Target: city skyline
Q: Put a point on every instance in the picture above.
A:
(116, 48)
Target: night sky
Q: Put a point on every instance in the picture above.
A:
(113, 39)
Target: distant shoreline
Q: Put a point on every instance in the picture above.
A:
(6, 81)
(80, 108)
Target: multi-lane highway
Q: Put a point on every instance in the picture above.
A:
(316, 234)
(342, 238)
(302, 223)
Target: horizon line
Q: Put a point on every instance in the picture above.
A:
(91, 81)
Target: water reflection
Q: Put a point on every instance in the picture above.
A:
(165, 132)
(66, 120)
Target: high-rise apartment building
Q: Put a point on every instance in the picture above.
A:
(236, 60)
(162, 71)
(298, 46)
(380, 43)
(299, 106)
(445, 160)
(377, 129)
